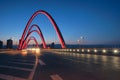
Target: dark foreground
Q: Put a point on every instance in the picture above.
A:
(57, 66)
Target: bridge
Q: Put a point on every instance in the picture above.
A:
(57, 64)
(28, 30)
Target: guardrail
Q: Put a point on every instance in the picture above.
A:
(99, 51)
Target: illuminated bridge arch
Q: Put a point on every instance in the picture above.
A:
(40, 34)
(62, 42)
(24, 42)
(30, 38)
(31, 31)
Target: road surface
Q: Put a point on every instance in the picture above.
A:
(49, 65)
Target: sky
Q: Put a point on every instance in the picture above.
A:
(97, 21)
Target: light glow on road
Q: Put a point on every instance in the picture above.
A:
(37, 50)
(34, 50)
(24, 52)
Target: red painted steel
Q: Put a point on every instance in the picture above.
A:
(41, 35)
(62, 42)
(30, 38)
(24, 42)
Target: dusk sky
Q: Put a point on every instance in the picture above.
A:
(98, 21)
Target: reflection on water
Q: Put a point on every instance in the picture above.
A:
(102, 60)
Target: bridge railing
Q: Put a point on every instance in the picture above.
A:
(99, 51)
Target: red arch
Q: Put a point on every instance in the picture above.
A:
(31, 38)
(41, 35)
(51, 20)
(24, 42)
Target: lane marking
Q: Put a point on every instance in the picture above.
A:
(21, 63)
(11, 67)
(8, 77)
(32, 73)
(56, 77)
(76, 61)
(41, 62)
(22, 60)
(2, 52)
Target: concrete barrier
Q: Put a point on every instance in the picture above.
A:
(99, 51)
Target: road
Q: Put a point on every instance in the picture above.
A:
(49, 65)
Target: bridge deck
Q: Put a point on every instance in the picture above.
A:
(58, 66)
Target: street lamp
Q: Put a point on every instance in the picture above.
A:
(81, 38)
(78, 42)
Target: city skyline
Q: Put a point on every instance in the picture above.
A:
(97, 21)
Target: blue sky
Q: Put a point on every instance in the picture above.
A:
(97, 20)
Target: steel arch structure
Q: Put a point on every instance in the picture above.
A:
(62, 42)
(24, 42)
(31, 38)
(31, 31)
(41, 35)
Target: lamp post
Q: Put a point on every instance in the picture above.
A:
(78, 42)
(82, 39)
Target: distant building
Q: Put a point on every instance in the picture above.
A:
(1, 44)
(10, 43)
(52, 45)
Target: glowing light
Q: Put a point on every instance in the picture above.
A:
(73, 50)
(95, 50)
(104, 51)
(78, 50)
(24, 52)
(38, 50)
(115, 51)
(83, 50)
(33, 49)
(70, 49)
(88, 50)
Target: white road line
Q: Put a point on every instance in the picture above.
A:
(56, 77)
(11, 67)
(2, 52)
(75, 61)
(22, 60)
(32, 73)
(21, 63)
(41, 62)
(8, 77)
